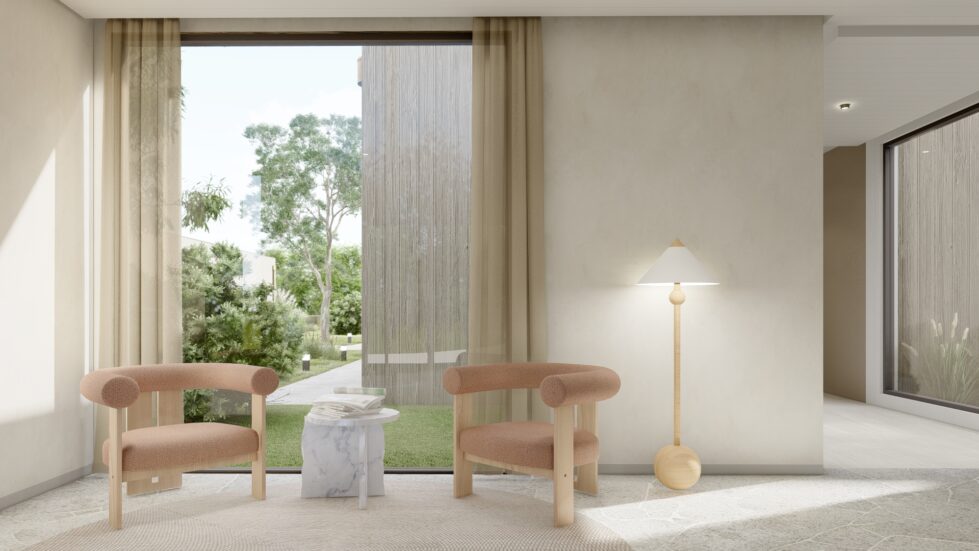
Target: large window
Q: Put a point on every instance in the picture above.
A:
(326, 208)
(932, 263)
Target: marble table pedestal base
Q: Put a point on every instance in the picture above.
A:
(344, 458)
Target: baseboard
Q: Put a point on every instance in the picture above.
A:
(717, 469)
(38, 489)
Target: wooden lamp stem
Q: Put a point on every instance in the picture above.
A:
(677, 466)
(677, 297)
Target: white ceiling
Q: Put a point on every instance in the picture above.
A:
(893, 80)
(471, 8)
(895, 60)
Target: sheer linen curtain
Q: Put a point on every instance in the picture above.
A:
(506, 236)
(138, 303)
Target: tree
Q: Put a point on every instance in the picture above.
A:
(345, 307)
(293, 275)
(347, 265)
(204, 203)
(308, 180)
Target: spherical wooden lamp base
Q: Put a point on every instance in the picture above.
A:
(677, 467)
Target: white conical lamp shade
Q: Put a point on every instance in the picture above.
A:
(677, 265)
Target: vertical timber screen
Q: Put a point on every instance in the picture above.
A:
(417, 118)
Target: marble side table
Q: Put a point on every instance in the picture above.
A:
(345, 457)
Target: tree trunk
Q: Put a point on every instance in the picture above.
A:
(325, 315)
(327, 291)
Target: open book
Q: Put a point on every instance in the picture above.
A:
(341, 406)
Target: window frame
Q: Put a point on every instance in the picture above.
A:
(337, 38)
(891, 234)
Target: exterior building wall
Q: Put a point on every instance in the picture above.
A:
(416, 175)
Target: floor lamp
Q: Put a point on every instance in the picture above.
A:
(677, 466)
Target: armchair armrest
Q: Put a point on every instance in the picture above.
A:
(569, 389)
(118, 387)
(559, 384)
(109, 388)
(249, 379)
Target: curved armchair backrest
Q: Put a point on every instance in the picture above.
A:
(119, 387)
(559, 384)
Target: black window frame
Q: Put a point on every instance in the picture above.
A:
(890, 310)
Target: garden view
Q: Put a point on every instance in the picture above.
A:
(298, 293)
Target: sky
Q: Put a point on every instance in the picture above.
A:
(229, 88)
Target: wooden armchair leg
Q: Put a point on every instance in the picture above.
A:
(462, 476)
(563, 466)
(258, 465)
(587, 481)
(258, 479)
(462, 470)
(116, 427)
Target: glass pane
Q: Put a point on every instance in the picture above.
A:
(937, 202)
(282, 176)
(281, 155)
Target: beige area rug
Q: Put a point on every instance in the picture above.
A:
(417, 513)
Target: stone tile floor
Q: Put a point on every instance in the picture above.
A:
(859, 509)
(893, 481)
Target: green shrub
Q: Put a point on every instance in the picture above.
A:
(197, 405)
(345, 313)
(226, 323)
(202, 404)
(315, 347)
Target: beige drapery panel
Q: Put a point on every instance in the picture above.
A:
(138, 304)
(506, 236)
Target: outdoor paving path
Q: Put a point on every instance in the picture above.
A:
(307, 390)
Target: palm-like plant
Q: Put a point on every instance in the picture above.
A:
(945, 367)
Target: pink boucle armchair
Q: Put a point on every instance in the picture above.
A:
(146, 452)
(540, 449)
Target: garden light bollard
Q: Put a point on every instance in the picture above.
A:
(343, 353)
(350, 337)
(305, 362)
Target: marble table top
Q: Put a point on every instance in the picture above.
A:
(386, 415)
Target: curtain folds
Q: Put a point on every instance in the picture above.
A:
(506, 236)
(138, 303)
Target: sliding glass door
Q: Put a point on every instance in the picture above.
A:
(932, 263)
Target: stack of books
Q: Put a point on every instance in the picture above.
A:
(347, 402)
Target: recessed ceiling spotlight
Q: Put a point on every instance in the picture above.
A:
(926, 151)
(845, 106)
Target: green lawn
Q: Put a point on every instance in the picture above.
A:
(340, 340)
(422, 437)
(316, 367)
(337, 340)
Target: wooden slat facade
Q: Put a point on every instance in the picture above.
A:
(938, 240)
(416, 179)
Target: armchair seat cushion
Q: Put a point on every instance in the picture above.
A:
(171, 446)
(526, 444)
